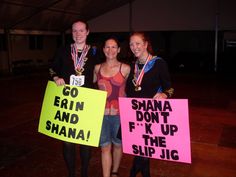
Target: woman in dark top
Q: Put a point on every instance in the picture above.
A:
(74, 65)
(149, 78)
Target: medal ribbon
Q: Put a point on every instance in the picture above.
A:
(79, 61)
(139, 76)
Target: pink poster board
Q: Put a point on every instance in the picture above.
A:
(156, 128)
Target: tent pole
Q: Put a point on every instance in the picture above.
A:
(216, 43)
(216, 35)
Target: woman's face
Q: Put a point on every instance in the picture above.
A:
(111, 49)
(79, 33)
(138, 46)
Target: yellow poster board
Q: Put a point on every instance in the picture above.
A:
(73, 114)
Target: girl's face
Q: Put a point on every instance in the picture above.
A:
(138, 46)
(79, 33)
(111, 49)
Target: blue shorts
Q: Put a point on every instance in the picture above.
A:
(110, 127)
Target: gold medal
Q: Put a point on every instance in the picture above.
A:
(79, 72)
(79, 61)
(137, 88)
(139, 73)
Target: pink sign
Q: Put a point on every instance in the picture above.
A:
(156, 128)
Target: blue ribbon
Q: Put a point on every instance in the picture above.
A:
(150, 64)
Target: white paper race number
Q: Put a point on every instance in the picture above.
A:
(77, 80)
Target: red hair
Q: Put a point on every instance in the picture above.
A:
(145, 38)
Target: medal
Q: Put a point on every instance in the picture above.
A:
(138, 75)
(79, 62)
(137, 88)
(79, 71)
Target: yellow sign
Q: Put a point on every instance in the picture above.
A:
(73, 114)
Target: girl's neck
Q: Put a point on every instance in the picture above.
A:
(80, 46)
(112, 62)
(143, 58)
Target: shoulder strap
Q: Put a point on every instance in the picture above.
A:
(120, 66)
